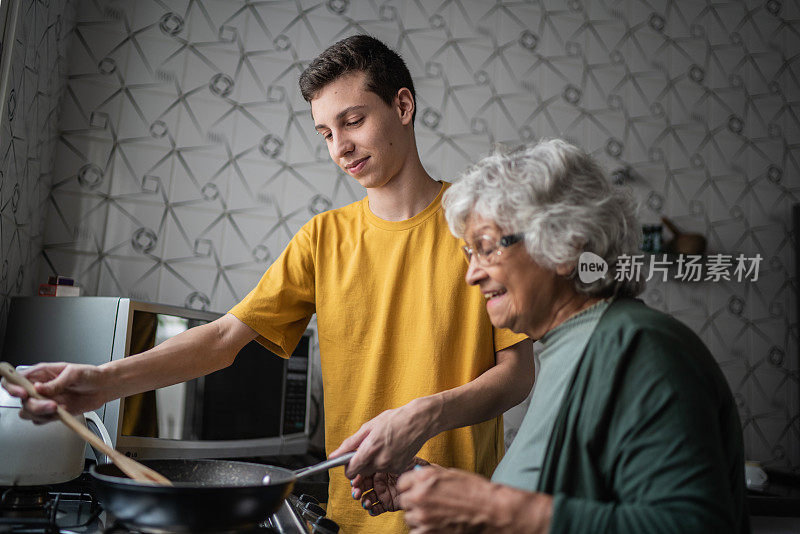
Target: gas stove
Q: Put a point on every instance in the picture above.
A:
(72, 508)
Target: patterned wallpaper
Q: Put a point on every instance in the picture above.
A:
(187, 158)
(28, 134)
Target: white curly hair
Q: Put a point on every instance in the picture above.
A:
(560, 199)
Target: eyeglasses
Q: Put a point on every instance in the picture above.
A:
(487, 249)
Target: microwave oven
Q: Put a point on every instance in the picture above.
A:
(258, 406)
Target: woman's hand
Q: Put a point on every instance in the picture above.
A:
(439, 500)
(78, 388)
(388, 442)
(378, 492)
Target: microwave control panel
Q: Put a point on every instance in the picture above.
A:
(294, 407)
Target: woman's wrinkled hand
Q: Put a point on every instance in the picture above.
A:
(76, 387)
(436, 499)
(439, 500)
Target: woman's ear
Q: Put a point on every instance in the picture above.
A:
(570, 269)
(404, 102)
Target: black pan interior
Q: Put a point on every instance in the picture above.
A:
(205, 473)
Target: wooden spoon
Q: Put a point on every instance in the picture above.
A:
(129, 466)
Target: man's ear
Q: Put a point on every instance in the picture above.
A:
(405, 105)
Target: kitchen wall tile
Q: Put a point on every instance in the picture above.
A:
(272, 79)
(232, 287)
(330, 25)
(96, 49)
(251, 185)
(295, 198)
(84, 164)
(148, 12)
(138, 171)
(302, 145)
(142, 61)
(247, 84)
(28, 128)
(193, 236)
(75, 119)
(188, 285)
(244, 248)
(253, 28)
(769, 304)
(139, 233)
(75, 221)
(774, 452)
(148, 115)
(138, 279)
(278, 234)
(92, 95)
(155, 57)
(202, 22)
(257, 137)
(687, 301)
(417, 15)
(199, 177)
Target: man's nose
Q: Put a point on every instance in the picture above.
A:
(342, 145)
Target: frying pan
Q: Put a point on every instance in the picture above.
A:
(205, 496)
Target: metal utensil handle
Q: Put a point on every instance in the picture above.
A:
(324, 466)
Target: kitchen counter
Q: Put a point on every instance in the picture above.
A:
(780, 499)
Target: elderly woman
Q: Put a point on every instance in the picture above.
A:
(632, 426)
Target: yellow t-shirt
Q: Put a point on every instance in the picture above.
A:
(396, 321)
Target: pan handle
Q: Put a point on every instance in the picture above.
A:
(324, 466)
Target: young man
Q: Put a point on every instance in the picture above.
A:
(407, 348)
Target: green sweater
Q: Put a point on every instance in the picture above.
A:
(648, 437)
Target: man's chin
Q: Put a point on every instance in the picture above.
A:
(371, 182)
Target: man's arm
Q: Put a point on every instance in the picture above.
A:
(196, 352)
(190, 354)
(497, 390)
(389, 441)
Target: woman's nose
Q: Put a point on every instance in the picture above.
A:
(475, 272)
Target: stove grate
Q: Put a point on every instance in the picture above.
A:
(22, 511)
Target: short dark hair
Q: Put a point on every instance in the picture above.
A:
(386, 71)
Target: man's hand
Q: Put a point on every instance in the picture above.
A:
(378, 492)
(78, 388)
(439, 500)
(388, 442)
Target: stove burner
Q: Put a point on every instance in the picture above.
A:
(40, 509)
(72, 508)
(22, 498)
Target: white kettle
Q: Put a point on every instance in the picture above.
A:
(36, 455)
